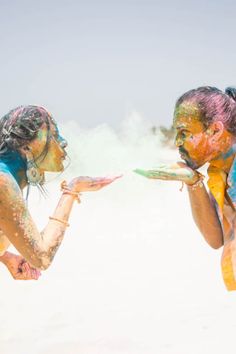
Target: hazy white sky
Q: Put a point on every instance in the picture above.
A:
(95, 61)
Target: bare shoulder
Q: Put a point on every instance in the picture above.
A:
(8, 185)
(11, 197)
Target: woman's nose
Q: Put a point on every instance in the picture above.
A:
(63, 143)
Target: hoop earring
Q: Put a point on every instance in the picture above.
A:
(33, 175)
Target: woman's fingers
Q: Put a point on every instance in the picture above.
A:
(99, 182)
(35, 273)
(105, 179)
(28, 272)
(38, 273)
(85, 183)
(102, 182)
(25, 267)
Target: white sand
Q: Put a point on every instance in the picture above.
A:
(133, 275)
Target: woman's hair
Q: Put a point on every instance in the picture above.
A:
(213, 105)
(20, 126)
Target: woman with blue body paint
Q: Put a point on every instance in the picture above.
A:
(30, 145)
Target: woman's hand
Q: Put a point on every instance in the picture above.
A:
(87, 184)
(19, 268)
(176, 172)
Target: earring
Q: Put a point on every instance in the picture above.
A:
(34, 176)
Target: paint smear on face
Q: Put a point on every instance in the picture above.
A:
(191, 137)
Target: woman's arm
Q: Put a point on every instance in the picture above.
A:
(17, 224)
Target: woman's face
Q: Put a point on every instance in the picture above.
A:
(48, 149)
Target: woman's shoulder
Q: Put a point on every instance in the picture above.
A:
(8, 182)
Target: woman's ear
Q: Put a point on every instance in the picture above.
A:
(24, 149)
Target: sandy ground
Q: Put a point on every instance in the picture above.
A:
(133, 275)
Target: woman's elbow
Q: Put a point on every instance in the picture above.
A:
(42, 261)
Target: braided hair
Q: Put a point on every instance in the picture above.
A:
(20, 126)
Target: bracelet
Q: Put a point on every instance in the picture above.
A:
(64, 222)
(66, 190)
(198, 183)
